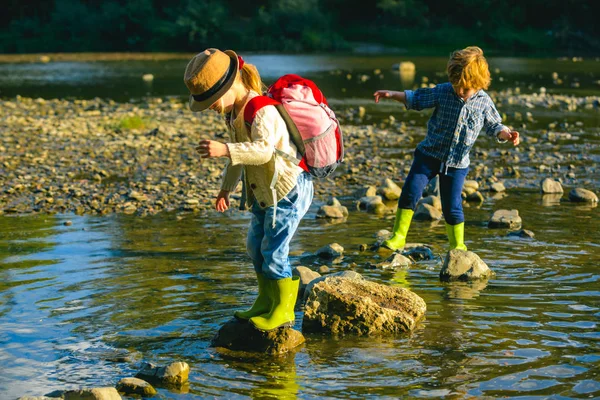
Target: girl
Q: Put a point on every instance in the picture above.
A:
(222, 82)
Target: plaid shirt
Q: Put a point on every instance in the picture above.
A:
(455, 123)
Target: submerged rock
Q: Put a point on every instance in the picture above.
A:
(523, 233)
(105, 393)
(174, 374)
(396, 260)
(330, 251)
(135, 386)
(509, 219)
(242, 336)
(357, 306)
(418, 252)
(465, 266)
(581, 195)
(550, 186)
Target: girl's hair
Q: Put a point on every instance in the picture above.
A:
(251, 78)
(468, 68)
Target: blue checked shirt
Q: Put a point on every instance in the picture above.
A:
(454, 124)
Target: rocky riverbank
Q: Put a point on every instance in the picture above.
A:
(98, 156)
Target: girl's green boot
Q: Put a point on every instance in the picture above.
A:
(283, 293)
(262, 304)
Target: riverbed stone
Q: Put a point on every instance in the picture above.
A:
(550, 186)
(475, 197)
(389, 190)
(330, 251)
(306, 275)
(349, 306)
(243, 336)
(473, 184)
(497, 187)
(464, 266)
(394, 261)
(174, 374)
(508, 219)
(342, 274)
(365, 191)
(433, 201)
(135, 386)
(426, 212)
(372, 204)
(522, 233)
(581, 195)
(332, 212)
(105, 393)
(418, 252)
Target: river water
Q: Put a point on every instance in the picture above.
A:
(83, 304)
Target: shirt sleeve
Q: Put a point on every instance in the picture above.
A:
(262, 135)
(231, 176)
(492, 122)
(422, 98)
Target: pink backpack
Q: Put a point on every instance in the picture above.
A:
(312, 125)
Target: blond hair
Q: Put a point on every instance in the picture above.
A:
(468, 68)
(251, 78)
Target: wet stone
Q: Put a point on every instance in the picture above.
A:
(356, 306)
(508, 219)
(550, 186)
(418, 252)
(426, 212)
(174, 374)
(135, 386)
(389, 190)
(105, 393)
(242, 336)
(522, 233)
(465, 266)
(306, 275)
(581, 195)
(330, 251)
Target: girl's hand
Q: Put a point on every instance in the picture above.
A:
(222, 203)
(386, 94)
(511, 136)
(212, 148)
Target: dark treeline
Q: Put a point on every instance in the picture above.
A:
(508, 26)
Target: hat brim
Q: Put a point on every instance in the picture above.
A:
(197, 106)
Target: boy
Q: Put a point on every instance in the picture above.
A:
(461, 109)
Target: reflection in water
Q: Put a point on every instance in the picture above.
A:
(551, 199)
(83, 305)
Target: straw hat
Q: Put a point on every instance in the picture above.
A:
(209, 75)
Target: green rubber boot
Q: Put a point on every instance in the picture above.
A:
(284, 293)
(262, 304)
(456, 236)
(401, 225)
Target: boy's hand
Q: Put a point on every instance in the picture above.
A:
(386, 94)
(212, 148)
(511, 136)
(222, 203)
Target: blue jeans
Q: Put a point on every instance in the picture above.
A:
(269, 246)
(424, 169)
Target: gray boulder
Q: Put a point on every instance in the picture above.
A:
(396, 260)
(349, 306)
(581, 195)
(550, 186)
(523, 233)
(242, 336)
(464, 266)
(509, 219)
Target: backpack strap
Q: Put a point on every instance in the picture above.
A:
(256, 103)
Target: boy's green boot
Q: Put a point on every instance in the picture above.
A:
(263, 302)
(283, 293)
(401, 225)
(456, 236)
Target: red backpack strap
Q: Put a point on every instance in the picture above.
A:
(254, 105)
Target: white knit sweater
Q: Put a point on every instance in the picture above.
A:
(253, 152)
